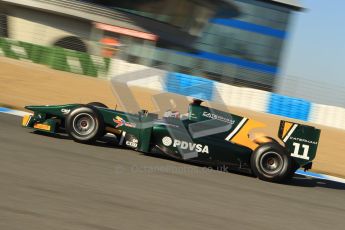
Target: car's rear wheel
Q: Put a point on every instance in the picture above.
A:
(270, 162)
(84, 124)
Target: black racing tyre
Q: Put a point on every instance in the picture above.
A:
(98, 104)
(270, 162)
(84, 124)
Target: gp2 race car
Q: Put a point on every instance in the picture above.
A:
(204, 136)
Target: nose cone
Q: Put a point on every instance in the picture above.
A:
(29, 107)
(36, 107)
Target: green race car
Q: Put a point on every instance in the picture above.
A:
(204, 136)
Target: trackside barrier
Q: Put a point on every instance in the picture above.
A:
(251, 99)
(289, 107)
(56, 57)
(189, 85)
(328, 115)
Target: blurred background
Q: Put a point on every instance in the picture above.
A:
(282, 46)
(238, 42)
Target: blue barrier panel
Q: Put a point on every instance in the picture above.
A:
(189, 85)
(4, 110)
(289, 107)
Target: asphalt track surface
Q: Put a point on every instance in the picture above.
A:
(51, 182)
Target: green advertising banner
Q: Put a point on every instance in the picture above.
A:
(56, 57)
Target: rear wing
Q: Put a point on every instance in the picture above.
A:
(301, 141)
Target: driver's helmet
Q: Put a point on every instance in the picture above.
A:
(197, 101)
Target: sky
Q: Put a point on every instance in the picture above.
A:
(313, 60)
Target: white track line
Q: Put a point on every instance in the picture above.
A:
(14, 112)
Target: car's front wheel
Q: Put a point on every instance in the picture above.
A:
(84, 124)
(270, 162)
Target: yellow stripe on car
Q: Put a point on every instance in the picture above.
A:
(287, 127)
(26, 120)
(42, 127)
(242, 137)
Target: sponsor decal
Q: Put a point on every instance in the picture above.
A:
(132, 143)
(42, 127)
(218, 117)
(121, 122)
(303, 140)
(168, 141)
(65, 111)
